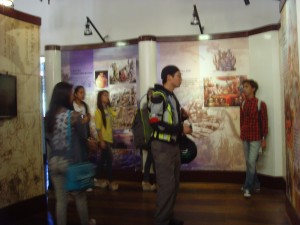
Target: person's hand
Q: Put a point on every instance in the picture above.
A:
(89, 117)
(185, 115)
(263, 143)
(187, 129)
(92, 144)
(84, 119)
(102, 144)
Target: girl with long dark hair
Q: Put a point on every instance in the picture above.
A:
(60, 119)
(103, 121)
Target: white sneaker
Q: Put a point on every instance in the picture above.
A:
(247, 193)
(113, 186)
(256, 190)
(101, 183)
(89, 190)
(146, 186)
(92, 222)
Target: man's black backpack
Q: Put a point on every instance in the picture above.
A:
(141, 128)
(142, 132)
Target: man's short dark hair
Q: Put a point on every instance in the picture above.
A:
(252, 83)
(168, 70)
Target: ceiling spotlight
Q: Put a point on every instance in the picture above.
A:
(7, 3)
(48, 2)
(247, 2)
(88, 31)
(196, 20)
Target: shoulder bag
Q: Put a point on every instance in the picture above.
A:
(79, 176)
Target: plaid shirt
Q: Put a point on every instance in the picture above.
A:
(249, 124)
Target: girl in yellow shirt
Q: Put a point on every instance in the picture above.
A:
(103, 122)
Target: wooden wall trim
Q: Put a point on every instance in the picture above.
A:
(100, 45)
(264, 29)
(23, 209)
(52, 47)
(238, 34)
(10, 12)
(147, 38)
(173, 38)
(291, 213)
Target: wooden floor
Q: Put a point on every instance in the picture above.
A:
(197, 204)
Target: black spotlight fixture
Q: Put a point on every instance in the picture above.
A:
(196, 19)
(48, 2)
(247, 2)
(88, 31)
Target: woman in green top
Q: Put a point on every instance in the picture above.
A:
(103, 122)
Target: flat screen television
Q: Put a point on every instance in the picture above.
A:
(8, 96)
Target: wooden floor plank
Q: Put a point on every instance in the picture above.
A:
(197, 204)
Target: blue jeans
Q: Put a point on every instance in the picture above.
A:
(106, 160)
(251, 149)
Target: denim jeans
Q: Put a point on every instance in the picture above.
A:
(251, 150)
(106, 160)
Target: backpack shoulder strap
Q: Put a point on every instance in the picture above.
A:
(258, 104)
(163, 94)
(140, 100)
(243, 103)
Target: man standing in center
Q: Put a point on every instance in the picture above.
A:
(166, 119)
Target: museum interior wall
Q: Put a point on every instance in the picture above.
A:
(215, 117)
(21, 158)
(210, 92)
(289, 44)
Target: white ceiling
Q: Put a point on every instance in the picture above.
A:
(63, 20)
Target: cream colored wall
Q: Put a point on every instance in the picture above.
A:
(21, 159)
(264, 68)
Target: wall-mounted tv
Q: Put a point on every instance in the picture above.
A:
(8, 96)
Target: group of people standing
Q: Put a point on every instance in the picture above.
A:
(167, 121)
(65, 106)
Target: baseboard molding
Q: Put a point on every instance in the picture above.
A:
(291, 213)
(21, 210)
(207, 176)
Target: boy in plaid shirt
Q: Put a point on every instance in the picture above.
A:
(254, 130)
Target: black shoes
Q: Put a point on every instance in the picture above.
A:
(176, 222)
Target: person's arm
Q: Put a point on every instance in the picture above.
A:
(184, 114)
(113, 112)
(264, 121)
(78, 122)
(241, 116)
(156, 117)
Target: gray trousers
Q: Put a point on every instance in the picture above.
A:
(167, 164)
(58, 180)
